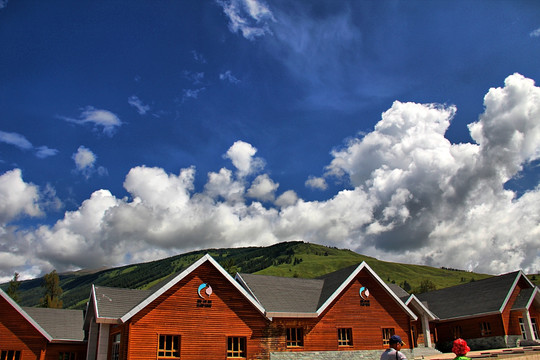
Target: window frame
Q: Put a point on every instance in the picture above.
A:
(115, 346)
(345, 337)
(165, 352)
(236, 347)
(457, 332)
(387, 334)
(10, 354)
(485, 328)
(535, 328)
(296, 341)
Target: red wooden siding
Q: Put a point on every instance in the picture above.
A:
(16, 333)
(203, 331)
(366, 322)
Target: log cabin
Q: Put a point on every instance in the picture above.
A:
(497, 312)
(39, 333)
(204, 313)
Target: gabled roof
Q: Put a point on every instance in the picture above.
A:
(412, 301)
(477, 298)
(61, 324)
(117, 305)
(56, 325)
(525, 298)
(295, 297)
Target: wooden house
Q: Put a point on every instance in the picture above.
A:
(39, 333)
(204, 313)
(498, 312)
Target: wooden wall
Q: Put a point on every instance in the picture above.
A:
(203, 331)
(366, 322)
(16, 333)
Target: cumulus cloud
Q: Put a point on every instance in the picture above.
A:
(317, 183)
(535, 33)
(243, 158)
(252, 18)
(99, 118)
(137, 103)
(17, 198)
(22, 143)
(412, 196)
(85, 161)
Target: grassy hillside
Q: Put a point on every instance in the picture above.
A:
(292, 259)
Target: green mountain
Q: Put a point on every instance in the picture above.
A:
(290, 259)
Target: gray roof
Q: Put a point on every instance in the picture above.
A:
(470, 299)
(398, 290)
(116, 302)
(523, 299)
(295, 295)
(279, 294)
(61, 324)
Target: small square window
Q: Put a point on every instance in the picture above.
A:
(236, 347)
(386, 335)
(169, 347)
(345, 337)
(295, 337)
(485, 328)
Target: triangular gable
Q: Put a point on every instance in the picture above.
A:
(351, 277)
(27, 317)
(181, 276)
(526, 298)
(519, 275)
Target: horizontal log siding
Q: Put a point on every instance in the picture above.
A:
(203, 331)
(366, 322)
(470, 328)
(16, 333)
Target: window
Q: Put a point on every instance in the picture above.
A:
(236, 347)
(66, 356)
(169, 347)
(295, 337)
(115, 350)
(522, 328)
(535, 328)
(10, 355)
(456, 332)
(485, 328)
(345, 337)
(386, 335)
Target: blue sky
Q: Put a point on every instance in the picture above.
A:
(404, 130)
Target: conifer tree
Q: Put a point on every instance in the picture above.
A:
(52, 291)
(13, 288)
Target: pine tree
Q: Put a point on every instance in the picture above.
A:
(52, 291)
(13, 288)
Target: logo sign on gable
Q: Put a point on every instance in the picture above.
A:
(204, 295)
(364, 295)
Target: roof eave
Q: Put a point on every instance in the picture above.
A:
(464, 317)
(296, 315)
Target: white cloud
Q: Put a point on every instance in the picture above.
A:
(242, 156)
(98, 117)
(85, 161)
(317, 183)
(250, 17)
(22, 143)
(419, 199)
(3, 4)
(137, 103)
(17, 198)
(535, 33)
(228, 76)
(263, 188)
(198, 57)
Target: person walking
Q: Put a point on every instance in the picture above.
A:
(394, 353)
